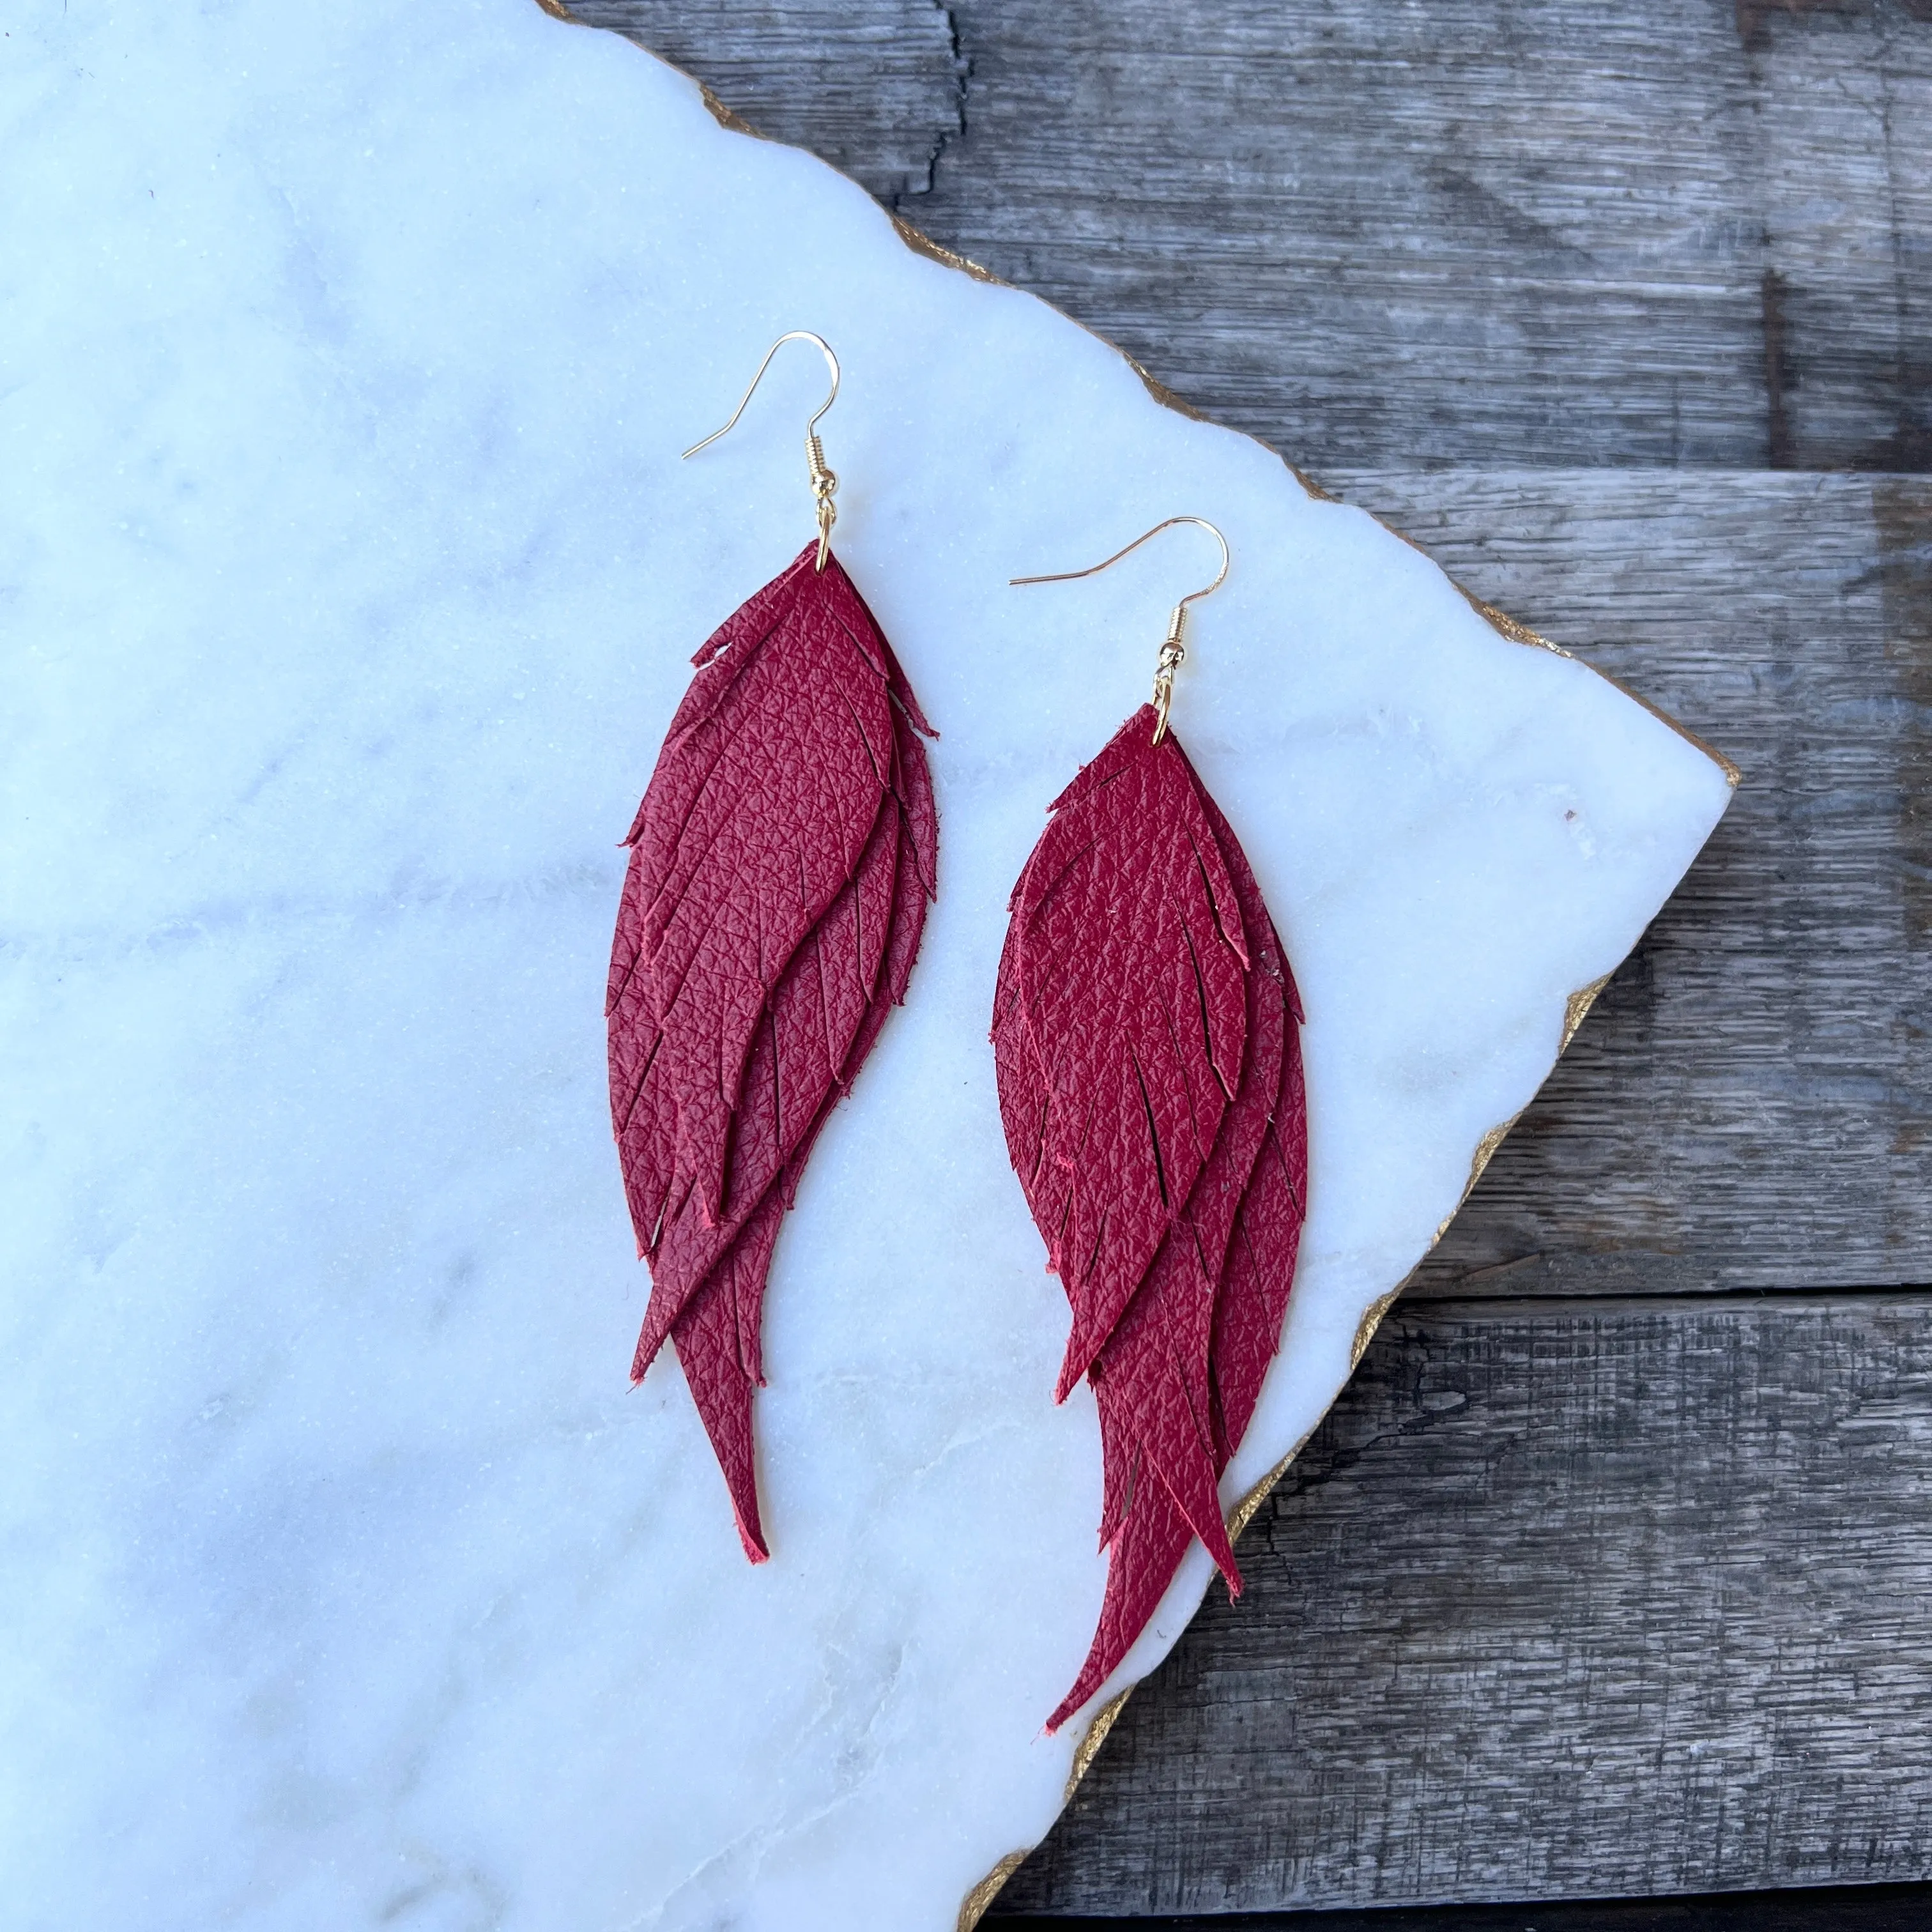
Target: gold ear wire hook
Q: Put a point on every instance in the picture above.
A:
(824, 484)
(1174, 652)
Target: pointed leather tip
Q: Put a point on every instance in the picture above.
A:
(1078, 1359)
(1223, 1555)
(1205, 1523)
(649, 1344)
(742, 1486)
(1073, 1700)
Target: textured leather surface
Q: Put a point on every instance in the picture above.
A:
(1145, 1036)
(781, 865)
(1131, 970)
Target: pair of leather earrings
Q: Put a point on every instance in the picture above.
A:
(1144, 1038)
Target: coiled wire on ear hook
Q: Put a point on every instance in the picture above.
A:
(1173, 651)
(824, 484)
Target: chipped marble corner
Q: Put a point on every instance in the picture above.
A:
(1577, 1008)
(1505, 626)
(972, 1906)
(727, 117)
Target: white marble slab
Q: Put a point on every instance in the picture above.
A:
(348, 575)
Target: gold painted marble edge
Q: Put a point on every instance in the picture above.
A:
(972, 1906)
(1097, 1735)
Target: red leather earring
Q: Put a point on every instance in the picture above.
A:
(1144, 1037)
(781, 864)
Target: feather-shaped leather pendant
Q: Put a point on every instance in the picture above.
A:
(781, 864)
(1145, 1036)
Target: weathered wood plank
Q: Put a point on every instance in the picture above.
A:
(1563, 1599)
(1865, 1908)
(1750, 1104)
(1481, 232)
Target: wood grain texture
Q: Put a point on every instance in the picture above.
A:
(1561, 1600)
(1749, 1102)
(1484, 232)
(1865, 1908)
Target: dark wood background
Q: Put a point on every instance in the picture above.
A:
(1608, 1574)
